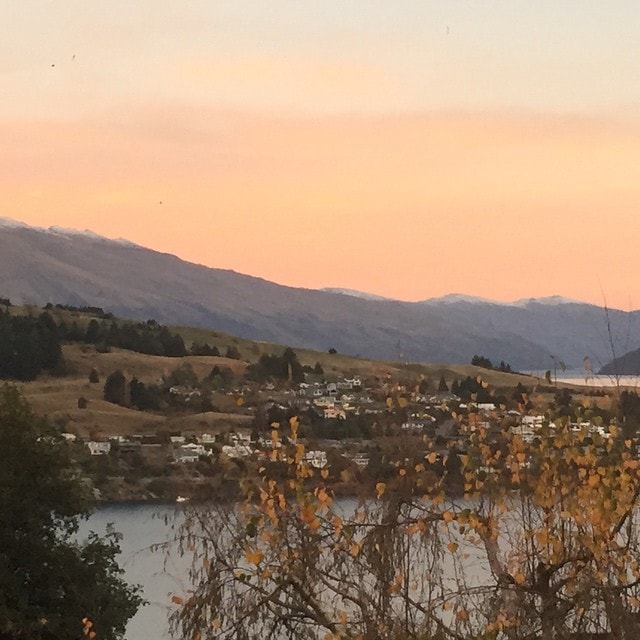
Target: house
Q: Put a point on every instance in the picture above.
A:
(98, 448)
(413, 426)
(333, 413)
(186, 455)
(316, 458)
(177, 439)
(206, 438)
(362, 460)
(237, 450)
(239, 438)
(196, 449)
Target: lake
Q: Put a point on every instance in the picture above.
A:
(162, 574)
(159, 574)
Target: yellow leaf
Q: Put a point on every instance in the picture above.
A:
(402, 472)
(453, 547)
(216, 624)
(447, 516)
(432, 457)
(177, 600)
(253, 556)
(239, 401)
(325, 473)
(380, 487)
(542, 537)
(519, 578)
(324, 497)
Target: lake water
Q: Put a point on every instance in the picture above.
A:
(160, 574)
(578, 377)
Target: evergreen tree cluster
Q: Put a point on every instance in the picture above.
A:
(273, 367)
(485, 363)
(94, 311)
(205, 349)
(471, 389)
(148, 337)
(28, 346)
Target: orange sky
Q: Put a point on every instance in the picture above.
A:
(328, 168)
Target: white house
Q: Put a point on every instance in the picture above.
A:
(99, 448)
(333, 413)
(196, 449)
(186, 455)
(237, 450)
(316, 458)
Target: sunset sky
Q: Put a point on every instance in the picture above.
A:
(408, 149)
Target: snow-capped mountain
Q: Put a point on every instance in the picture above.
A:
(81, 268)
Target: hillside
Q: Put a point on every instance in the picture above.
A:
(56, 396)
(624, 365)
(75, 268)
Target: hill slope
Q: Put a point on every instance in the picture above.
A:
(76, 268)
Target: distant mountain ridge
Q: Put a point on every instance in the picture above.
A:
(81, 268)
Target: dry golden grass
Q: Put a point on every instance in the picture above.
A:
(57, 398)
(81, 359)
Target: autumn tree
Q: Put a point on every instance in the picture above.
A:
(532, 539)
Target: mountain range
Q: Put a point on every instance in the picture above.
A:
(84, 269)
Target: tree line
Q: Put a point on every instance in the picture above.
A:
(28, 346)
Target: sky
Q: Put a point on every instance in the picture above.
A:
(408, 149)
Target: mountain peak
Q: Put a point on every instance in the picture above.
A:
(10, 223)
(452, 298)
(354, 293)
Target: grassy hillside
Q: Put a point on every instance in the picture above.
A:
(57, 397)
